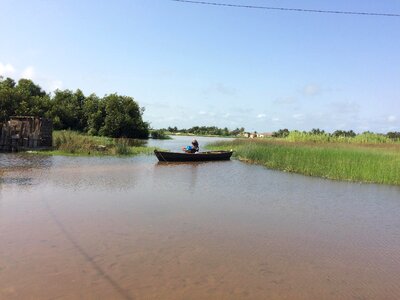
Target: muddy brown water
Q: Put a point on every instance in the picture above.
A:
(133, 228)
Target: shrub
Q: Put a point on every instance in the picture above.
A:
(159, 134)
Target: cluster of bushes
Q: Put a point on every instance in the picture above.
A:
(394, 135)
(206, 130)
(317, 135)
(113, 115)
(159, 134)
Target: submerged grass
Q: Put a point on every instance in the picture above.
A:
(67, 142)
(373, 163)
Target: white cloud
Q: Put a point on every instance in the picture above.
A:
(362, 128)
(207, 113)
(391, 119)
(345, 107)
(311, 90)
(53, 85)
(50, 85)
(220, 88)
(28, 73)
(298, 116)
(261, 116)
(275, 119)
(285, 100)
(6, 69)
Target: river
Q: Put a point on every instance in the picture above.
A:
(133, 228)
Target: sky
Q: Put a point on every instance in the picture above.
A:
(200, 65)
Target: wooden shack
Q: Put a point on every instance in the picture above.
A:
(25, 133)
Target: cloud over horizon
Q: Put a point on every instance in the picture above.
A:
(311, 90)
(29, 72)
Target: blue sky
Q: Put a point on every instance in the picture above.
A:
(193, 64)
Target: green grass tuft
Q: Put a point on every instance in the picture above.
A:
(374, 163)
(67, 142)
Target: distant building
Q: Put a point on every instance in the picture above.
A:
(264, 134)
(26, 132)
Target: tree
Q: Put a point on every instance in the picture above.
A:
(113, 115)
(94, 113)
(281, 133)
(343, 133)
(394, 135)
(24, 98)
(123, 117)
(317, 131)
(68, 110)
(235, 132)
(8, 101)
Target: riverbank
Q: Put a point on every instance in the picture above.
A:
(369, 163)
(77, 144)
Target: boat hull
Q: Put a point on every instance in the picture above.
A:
(200, 156)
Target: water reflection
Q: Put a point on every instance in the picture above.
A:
(188, 170)
(16, 180)
(74, 173)
(24, 161)
(19, 169)
(96, 174)
(115, 228)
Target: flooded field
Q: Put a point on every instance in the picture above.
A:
(133, 228)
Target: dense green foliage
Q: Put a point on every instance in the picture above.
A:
(112, 115)
(394, 135)
(205, 130)
(378, 163)
(281, 133)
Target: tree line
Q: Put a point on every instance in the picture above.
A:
(112, 115)
(206, 130)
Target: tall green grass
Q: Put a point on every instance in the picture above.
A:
(67, 142)
(355, 162)
(364, 138)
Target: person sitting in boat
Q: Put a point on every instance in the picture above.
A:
(193, 148)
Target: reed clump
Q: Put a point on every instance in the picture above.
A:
(363, 138)
(360, 161)
(68, 142)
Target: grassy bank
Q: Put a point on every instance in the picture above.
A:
(74, 143)
(360, 162)
(364, 138)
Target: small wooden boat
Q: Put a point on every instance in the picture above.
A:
(199, 156)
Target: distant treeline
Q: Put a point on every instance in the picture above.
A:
(112, 115)
(206, 130)
(321, 134)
